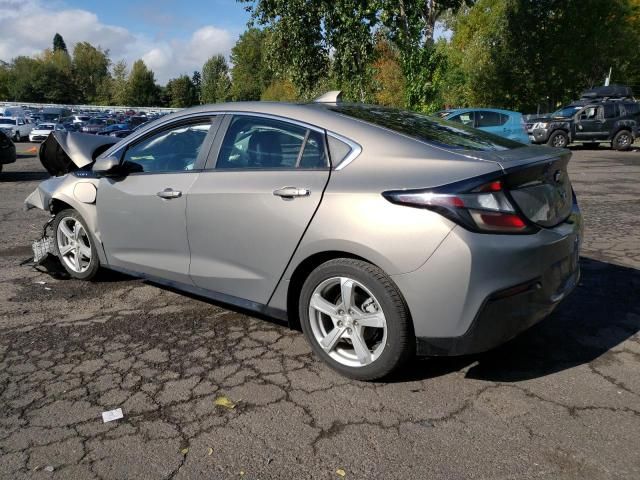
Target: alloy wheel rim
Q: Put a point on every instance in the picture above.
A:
(74, 245)
(347, 322)
(623, 140)
(559, 141)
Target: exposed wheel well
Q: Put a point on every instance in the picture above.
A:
(58, 205)
(301, 273)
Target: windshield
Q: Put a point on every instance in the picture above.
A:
(45, 126)
(433, 130)
(566, 111)
(7, 121)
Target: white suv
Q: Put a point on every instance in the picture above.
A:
(15, 127)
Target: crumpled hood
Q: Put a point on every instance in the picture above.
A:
(64, 152)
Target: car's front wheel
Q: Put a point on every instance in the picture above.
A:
(558, 139)
(355, 319)
(74, 245)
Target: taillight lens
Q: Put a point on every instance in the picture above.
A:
(485, 208)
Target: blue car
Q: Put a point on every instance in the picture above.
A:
(504, 123)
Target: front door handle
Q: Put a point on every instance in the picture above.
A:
(291, 192)
(169, 193)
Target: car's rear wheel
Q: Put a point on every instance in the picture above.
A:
(623, 140)
(558, 139)
(16, 136)
(74, 245)
(355, 319)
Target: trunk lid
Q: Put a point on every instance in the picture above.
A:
(541, 189)
(64, 152)
(537, 180)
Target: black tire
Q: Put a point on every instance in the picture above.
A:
(400, 340)
(622, 141)
(17, 137)
(94, 263)
(558, 139)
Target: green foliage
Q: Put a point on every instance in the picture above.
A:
(58, 43)
(181, 92)
(141, 86)
(216, 83)
(527, 56)
(91, 68)
(250, 72)
(388, 78)
(119, 88)
(196, 79)
(280, 91)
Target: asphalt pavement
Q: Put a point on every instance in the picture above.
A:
(208, 392)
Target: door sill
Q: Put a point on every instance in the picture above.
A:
(227, 300)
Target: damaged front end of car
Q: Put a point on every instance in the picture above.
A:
(68, 157)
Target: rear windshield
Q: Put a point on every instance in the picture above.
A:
(433, 130)
(7, 121)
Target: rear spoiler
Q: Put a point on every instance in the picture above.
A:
(64, 152)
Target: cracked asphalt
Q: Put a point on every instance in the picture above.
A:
(562, 401)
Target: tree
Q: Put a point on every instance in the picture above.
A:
(91, 67)
(250, 72)
(539, 55)
(58, 43)
(181, 92)
(280, 91)
(388, 79)
(215, 80)
(141, 86)
(313, 38)
(119, 85)
(196, 79)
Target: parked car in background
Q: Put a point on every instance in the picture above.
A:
(383, 232)
(16, 127)
(504, 123)
(54, 114)
(94, 125)
(8, 111)
(42, 131)
(109, 129)
(7, 150)
(79, 119)
(121, 133)
(590, 122)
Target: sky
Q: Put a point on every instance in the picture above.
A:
(172, 37)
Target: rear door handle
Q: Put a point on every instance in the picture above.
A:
(169, 193)
(292, 192)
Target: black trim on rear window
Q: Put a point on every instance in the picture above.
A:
(430, 129)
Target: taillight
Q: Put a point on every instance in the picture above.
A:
(484, 209)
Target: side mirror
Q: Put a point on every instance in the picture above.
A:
(106, 165)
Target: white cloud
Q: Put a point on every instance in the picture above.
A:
(28, 27)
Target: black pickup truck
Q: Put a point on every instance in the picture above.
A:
(592, 120)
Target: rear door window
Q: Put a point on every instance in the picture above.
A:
(263, 143)
(465, 118)
(611, 110)
(490, 119)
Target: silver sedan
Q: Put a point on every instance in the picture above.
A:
(381, 233)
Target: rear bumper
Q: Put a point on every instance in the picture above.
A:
(478, 291)
(504, 315)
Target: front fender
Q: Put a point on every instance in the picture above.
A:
(77, 193)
